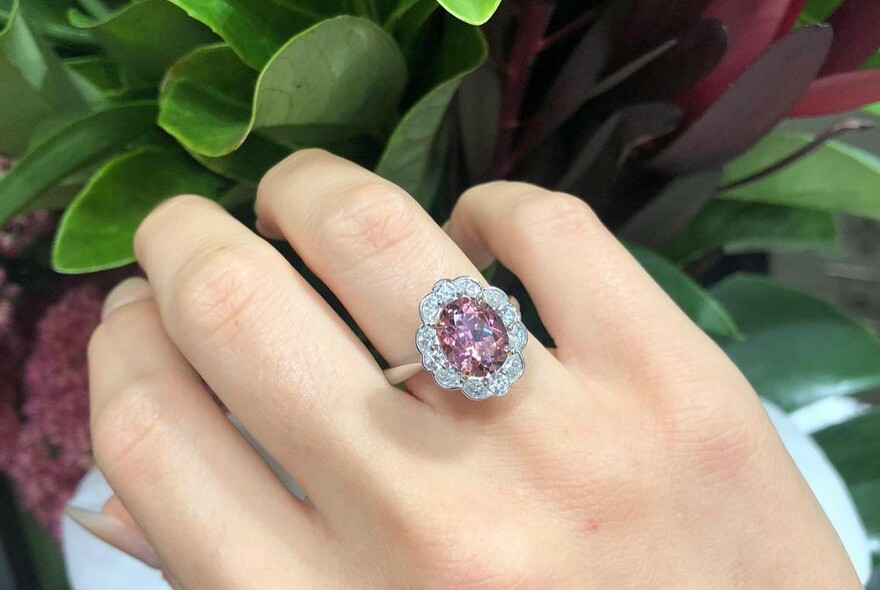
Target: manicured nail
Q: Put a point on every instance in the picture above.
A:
(128, 291)
(114, 532)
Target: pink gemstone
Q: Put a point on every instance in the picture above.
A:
(472, 337)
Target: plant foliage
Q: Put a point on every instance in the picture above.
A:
(658, 113)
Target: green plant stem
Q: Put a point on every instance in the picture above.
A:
(528, 41)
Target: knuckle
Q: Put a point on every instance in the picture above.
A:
(458, 558)
(127, 432)
(373, 219)
(552, 214)
(716, 440)
(215, 290)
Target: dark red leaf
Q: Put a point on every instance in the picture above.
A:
(790, 18)
(664, 217)
(856, 25)
(620, 135)
(751, 27)
(698, 51)
(838, 93)
(756, 102)
(575, 83)
(655, 20)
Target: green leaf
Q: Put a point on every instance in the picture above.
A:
(838, 178)
(71, 147)
(337, 80)
(98, 73)
(129, 36)
(701, 307)
(739, 226)
(205, 100)
(49, 19)
(46, 554)
(797, 349)
(249, 163)
(255, 29)
(474, 12)
(34, 86)
(96, 230)
(414, 155)
(854, 449)
(409, 15)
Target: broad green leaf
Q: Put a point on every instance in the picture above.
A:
(838, 178)
(249, 163)
(739, 226)
(474, 12)
(96, 230)
(71, 147)
(146, 36)
(255, 29)
(414, 157)
(700, 306)
(816, 11)
(337, 80)
(205, 100)
(34, 86)
(854, 449)
(796, 349)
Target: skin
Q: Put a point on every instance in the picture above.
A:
(635, 455)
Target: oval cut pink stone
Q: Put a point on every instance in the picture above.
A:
(472, 336)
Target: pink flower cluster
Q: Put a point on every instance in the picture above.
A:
(44, 422)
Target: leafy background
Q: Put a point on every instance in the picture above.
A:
(660, 114)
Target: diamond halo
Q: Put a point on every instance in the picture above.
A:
(471, 338)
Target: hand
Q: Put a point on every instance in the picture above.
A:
(634, 455)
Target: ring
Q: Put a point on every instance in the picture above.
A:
(471, 339)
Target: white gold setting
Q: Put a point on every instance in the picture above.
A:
(494, 384)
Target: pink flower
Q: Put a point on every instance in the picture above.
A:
(52, 451)
(22, 231)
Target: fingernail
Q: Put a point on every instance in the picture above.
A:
(128, 291)
(115, 533)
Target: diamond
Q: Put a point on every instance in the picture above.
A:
(429, 309)
(517, 336)
(476, 389)
(433, 360)
(499, 384)
(495, 298)
(509, 315)
(426, 338)
(514, 367)
(445, 291)
(468, 286)
(472, 337)
(447, 378)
